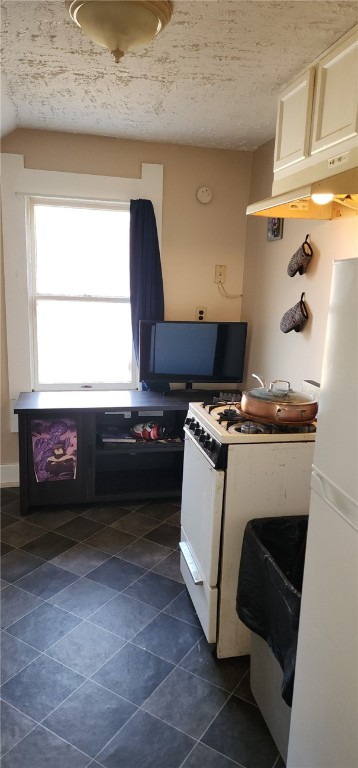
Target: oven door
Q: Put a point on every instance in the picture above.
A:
(201, 515)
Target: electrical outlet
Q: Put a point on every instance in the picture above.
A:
(200, 313)
(220, 273)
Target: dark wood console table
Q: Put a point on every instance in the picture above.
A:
(65, 458)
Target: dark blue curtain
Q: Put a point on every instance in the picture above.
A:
(145, 270)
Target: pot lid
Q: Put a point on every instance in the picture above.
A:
(280, 394)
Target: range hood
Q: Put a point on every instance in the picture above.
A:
(298, 204)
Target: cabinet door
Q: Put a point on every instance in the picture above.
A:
(335, 111)
(56, 455)
(294, 121)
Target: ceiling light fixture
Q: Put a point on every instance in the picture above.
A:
(120, 25)
(321, 198)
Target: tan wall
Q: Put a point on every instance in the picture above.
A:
(269, 291)
(195, 236)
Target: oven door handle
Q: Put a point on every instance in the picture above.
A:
(188, 557)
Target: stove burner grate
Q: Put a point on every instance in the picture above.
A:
(250, 427)
(216, 403)
(231, 415)
(228, 417)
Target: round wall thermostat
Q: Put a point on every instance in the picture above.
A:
(204, 194)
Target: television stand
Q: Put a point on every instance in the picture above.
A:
(106, 471)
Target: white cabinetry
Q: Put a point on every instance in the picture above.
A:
(317, 119)
(293, 126)
(335, 105)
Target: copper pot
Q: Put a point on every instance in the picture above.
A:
(279, 404)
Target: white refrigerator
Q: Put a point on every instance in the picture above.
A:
(324, 718)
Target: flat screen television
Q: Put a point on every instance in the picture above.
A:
(179, 351)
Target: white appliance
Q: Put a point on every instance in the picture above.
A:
(324, 719)
(230, 477)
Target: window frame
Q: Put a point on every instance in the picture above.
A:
(18, 184)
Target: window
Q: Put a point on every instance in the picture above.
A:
(21, 188)
(79, 295)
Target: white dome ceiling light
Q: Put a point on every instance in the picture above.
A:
(120, 25)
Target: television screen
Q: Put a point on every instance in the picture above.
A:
(191, 351)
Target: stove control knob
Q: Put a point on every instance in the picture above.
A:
(202, 437)
(188, 421)
(209, 443)
(192, 425)
(198, 430)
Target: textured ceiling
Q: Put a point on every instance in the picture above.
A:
(210, 79)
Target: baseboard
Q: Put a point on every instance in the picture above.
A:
(9, 475)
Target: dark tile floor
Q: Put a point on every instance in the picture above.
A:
(103, 659)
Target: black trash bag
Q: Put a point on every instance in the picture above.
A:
(270, 585)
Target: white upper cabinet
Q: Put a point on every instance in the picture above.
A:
(317, 117)
(335, 113)
(293, 126)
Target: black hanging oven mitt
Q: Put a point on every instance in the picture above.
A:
(301, 259)
(295, 318)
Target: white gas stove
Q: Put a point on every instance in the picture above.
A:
(235, 469)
